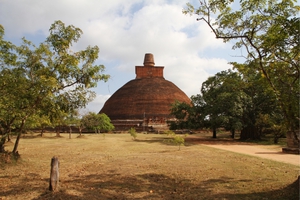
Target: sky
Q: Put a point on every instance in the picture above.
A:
(125, 31)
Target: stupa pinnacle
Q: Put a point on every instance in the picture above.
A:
(149, 60)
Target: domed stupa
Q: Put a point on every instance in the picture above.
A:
(144, 102)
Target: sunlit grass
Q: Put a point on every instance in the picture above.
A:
(117, 167)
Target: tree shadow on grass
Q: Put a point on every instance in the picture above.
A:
(274, 153)
(150, 140)
(164, 141)
(29, 136)
(152, 186)
(194, 140)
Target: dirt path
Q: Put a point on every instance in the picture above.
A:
(267, 152)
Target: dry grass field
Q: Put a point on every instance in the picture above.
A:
(116, 167)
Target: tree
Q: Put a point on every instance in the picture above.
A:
(51, 77)
(177, 140)
(268, 123)
(182, 112)
(97, 122)
(224, 99)
(105, 123)
(260, 101)
(74, 119)
(8, 85)
(269, 32)
(233, 100)
(38, 121)
(58, 121)
(189, 116)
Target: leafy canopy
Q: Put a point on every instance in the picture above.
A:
(97, 122)
(269, 33)
(49, 79)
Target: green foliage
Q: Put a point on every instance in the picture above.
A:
(232, 100)
(73, 119)
(105, 123)
(174, 139)
(224, 97)
(188, 116)
(49, 80)
(178, 140)
(97, 122)
(268, 31)
(169, 133)
(181, 111)
(270, 124)
(132, 133)
(38, 121)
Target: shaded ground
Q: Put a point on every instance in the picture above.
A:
(116, 167)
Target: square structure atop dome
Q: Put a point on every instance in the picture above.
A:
(149, 70)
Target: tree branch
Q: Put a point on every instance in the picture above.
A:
(260, 56)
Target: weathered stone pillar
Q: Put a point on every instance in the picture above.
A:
(54, 174)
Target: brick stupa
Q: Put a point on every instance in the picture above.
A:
(144, 101)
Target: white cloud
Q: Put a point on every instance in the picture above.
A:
(189, 71)
(124, 32)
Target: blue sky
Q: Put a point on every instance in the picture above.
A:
(124, 31)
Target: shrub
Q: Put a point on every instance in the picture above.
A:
(133, 133)
(177, 140)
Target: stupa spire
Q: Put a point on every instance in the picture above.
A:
(149, 60)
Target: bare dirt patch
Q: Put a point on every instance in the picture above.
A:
(116, 167)
(272, 152)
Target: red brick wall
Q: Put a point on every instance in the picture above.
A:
(148, 72)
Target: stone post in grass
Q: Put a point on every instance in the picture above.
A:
(54, 174)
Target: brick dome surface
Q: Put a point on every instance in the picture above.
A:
(148, 95)
(152, 96)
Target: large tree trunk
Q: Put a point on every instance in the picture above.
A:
(42, 132)
(249, 132)
(2, 142)
(7, 128)
(15, 150)
(5, 135)
(57, 131)
(8, 136)
(232, 133)
(214, 133)
(70, 132)
(80, 130)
